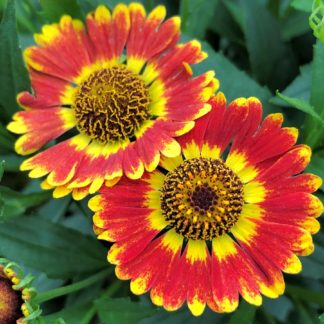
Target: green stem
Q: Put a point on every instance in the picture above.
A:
(61, 291)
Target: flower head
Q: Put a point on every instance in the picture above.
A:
(16, 295)
(224, 219)
(117, 88)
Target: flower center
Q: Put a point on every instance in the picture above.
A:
(111, 104)
(10, 301)
(202, 198)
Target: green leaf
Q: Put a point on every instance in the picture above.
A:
(233, 82)
(81, 314)
(122, 310)
(1, 169)
(299, 88)
(321, 318)
(314, 128)
(244, 314)
(295, 24)
(303, 5)
(53, 10)
(225, 25)
(7, 140)
(50, 248)
(13, 76)
(278, 308)
(12, 160)
(306, 294)
(301, 105)
(14, 203)
(192, 11)
(272, 61)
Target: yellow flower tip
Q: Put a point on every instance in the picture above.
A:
(61, 191)
(187, 68)
(98, 221)
(176, 21)
(65, 20)
(102, 14)
(157, 299)
(220, 97)
(79, 193)
(158, 13)
(206, 93)
(196, 307)
(136, 6)
(277, 117)
(45, 185)
(241, 102)
(195, 43)
(252, 299)
(95, 203)
(138, 286)
(293, 132)
(172, 149)
(228, 306)
(307, 250)
(316, 206)
(254, 100)
(121, 7)
(316, 181)
(214, 84)
(27, 55)
(206, 108)
(96, 185)
(305, 153)
(136, 173)
(293, 265)
(19, 146)
(17, 126)
(204, 55)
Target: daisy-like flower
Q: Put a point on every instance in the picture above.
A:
(222, 220)
(121, 87)
(16, 295)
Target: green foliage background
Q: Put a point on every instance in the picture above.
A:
(256, 47)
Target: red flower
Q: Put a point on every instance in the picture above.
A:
(122, 83)
(223, 219)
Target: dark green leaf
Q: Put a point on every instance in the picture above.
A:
(7, 140)
(294, 25)
(225, 25)
(12, 160)
(278, 308)
(122, 310)
(53, 10)
(304, 5)
(51, 248)
(301, 105)
(81, 314)
(14, 203)
(272, 61)
(244, 314)
(233, 82)
(313, 128)
(13, 76)
(306, 294)
(1, 168)
(192, 11)
(305, 314)
(299, 88)
(322, 318)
